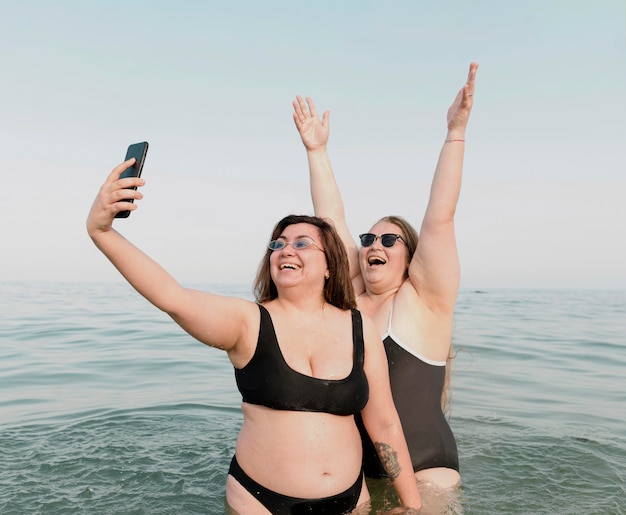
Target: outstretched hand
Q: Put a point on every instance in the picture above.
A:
(109, 200)
(313, 131)
(458, 114)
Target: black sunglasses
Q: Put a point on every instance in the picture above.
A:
(388, 240)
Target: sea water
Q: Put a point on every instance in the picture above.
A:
(107, 406)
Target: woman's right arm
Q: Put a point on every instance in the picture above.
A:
(327, 201)
(208, 318)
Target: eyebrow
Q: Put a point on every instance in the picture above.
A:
(282, 237)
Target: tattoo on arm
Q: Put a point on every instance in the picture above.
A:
(389, 459)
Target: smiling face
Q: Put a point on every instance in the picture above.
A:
(384, 267)
(291, 266)
(282, 262)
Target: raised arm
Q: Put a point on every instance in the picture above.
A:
(327, 201)
(382, 422)
(208, 318)
(435, 270)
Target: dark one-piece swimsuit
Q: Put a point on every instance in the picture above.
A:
(267, 380)
(416, 385)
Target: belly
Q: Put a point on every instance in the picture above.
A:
(300, 454)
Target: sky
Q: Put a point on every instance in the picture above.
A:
(209, 84)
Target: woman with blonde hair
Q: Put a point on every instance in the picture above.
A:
(408, 288)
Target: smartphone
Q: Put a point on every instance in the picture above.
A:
(138, 151)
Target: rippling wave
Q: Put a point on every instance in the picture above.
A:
(165, 459)
(107, 407)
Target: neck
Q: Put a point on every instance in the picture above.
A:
(380, 297)
(297, 301)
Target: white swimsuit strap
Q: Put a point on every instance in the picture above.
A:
(399, 343)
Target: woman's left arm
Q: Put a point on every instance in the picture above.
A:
(434, 270)
(383, 423)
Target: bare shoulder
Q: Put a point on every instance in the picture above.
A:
(240, 321)
(417, 326)
(226, 323)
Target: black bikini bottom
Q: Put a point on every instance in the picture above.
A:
(278, 504)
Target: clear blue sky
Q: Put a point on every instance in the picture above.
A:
(210, 83)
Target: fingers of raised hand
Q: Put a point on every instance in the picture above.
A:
(117, 171)
(116, 189)
(120, 194)
(305, 111)
(300, 111)
(471, 78)
(311, 105)
(112, 197)
(126, 182)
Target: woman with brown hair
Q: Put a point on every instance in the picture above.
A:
(305, 363)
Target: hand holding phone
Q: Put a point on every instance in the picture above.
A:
(138, 151)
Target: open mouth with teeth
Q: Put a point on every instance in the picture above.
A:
(376, 261)
(287, 266)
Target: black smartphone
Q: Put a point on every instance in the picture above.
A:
(138, 151)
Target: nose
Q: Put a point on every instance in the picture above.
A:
(378, 242)
(287, 249)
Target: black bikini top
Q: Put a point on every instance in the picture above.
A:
(269, 381)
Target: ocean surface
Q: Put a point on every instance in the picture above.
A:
(108, 407)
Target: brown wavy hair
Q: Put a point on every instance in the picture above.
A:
(338, 289)
(410, 235)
